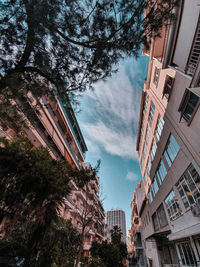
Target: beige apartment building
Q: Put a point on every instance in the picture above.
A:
(168, 143)
(58, 130)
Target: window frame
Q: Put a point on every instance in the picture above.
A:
(160, 173)
(171, 151)
(158, 218)
(172, 206)
(151, 113)
(156, 76)
(159, 128)
(167, 90)
(153, 149)
(154, 186)
(185, 257)
(188, 199)
(184, 103)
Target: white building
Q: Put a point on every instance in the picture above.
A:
(117, 217)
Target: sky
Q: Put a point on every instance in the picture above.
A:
(108, 121)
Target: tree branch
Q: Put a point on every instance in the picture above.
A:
(30, 36)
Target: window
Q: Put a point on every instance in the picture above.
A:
(142, 163)
(159, 128)
(153, 150)
(156, 76)
(141, 133)
(151, 113)
(144, 151)
(169, 82)
(159, 218)
(150, 197)
(189, 103)
(147, 134)
(161, 172)
(140, 143)
(171, 150)
(172, 205)
(162, 219)
(149, 166)
(145, 177)
(186, 254)
(154, 186)
(146, 100)
(189, 186)
(155, 222)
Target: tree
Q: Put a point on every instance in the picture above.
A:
(109, 254)
(58, 247)
(71, 44)
(33, 187)
(87, 216)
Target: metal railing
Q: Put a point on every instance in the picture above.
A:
(194, 54)
(171, 265)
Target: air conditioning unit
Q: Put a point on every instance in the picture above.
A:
(196, 209)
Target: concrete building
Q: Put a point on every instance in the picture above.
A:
(58, 130)
(117, 217)
(136, 226)
(168, 143)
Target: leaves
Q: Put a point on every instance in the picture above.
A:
(33, 187)
(87, 36)
(109, 254)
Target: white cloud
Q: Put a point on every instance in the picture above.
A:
(131, 176)
(116, 142)
(118, 97)
(114, 111)
(93, 148)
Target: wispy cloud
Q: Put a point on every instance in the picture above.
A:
(131, 176)
(116, 142)
(114, 112)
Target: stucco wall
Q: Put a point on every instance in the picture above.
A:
(186, 32)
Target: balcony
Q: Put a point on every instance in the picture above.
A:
(80, 194)
(73, 185)
(60, 131)
(70, 200)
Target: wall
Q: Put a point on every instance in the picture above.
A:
(186, 32)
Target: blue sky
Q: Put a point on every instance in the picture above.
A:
(108, 121)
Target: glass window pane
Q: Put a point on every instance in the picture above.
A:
(171, 150)
(161, 216)
(172, 205)
(188, 193)
(175, 144)
(181, 254)
(167, 159)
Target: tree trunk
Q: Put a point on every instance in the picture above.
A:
(78, 258)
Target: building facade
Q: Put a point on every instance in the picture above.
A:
(117, 217)
(168, 143)
(58, 130)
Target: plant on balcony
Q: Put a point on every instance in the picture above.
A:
(33, 187)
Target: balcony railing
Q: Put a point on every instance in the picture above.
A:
(60, 131)
(171, 265)
(194, 54)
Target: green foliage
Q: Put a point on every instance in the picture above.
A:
(31, 178)
(109, 254)
(58, 247)
(32, 190)
(116, 235)
(71, 44)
